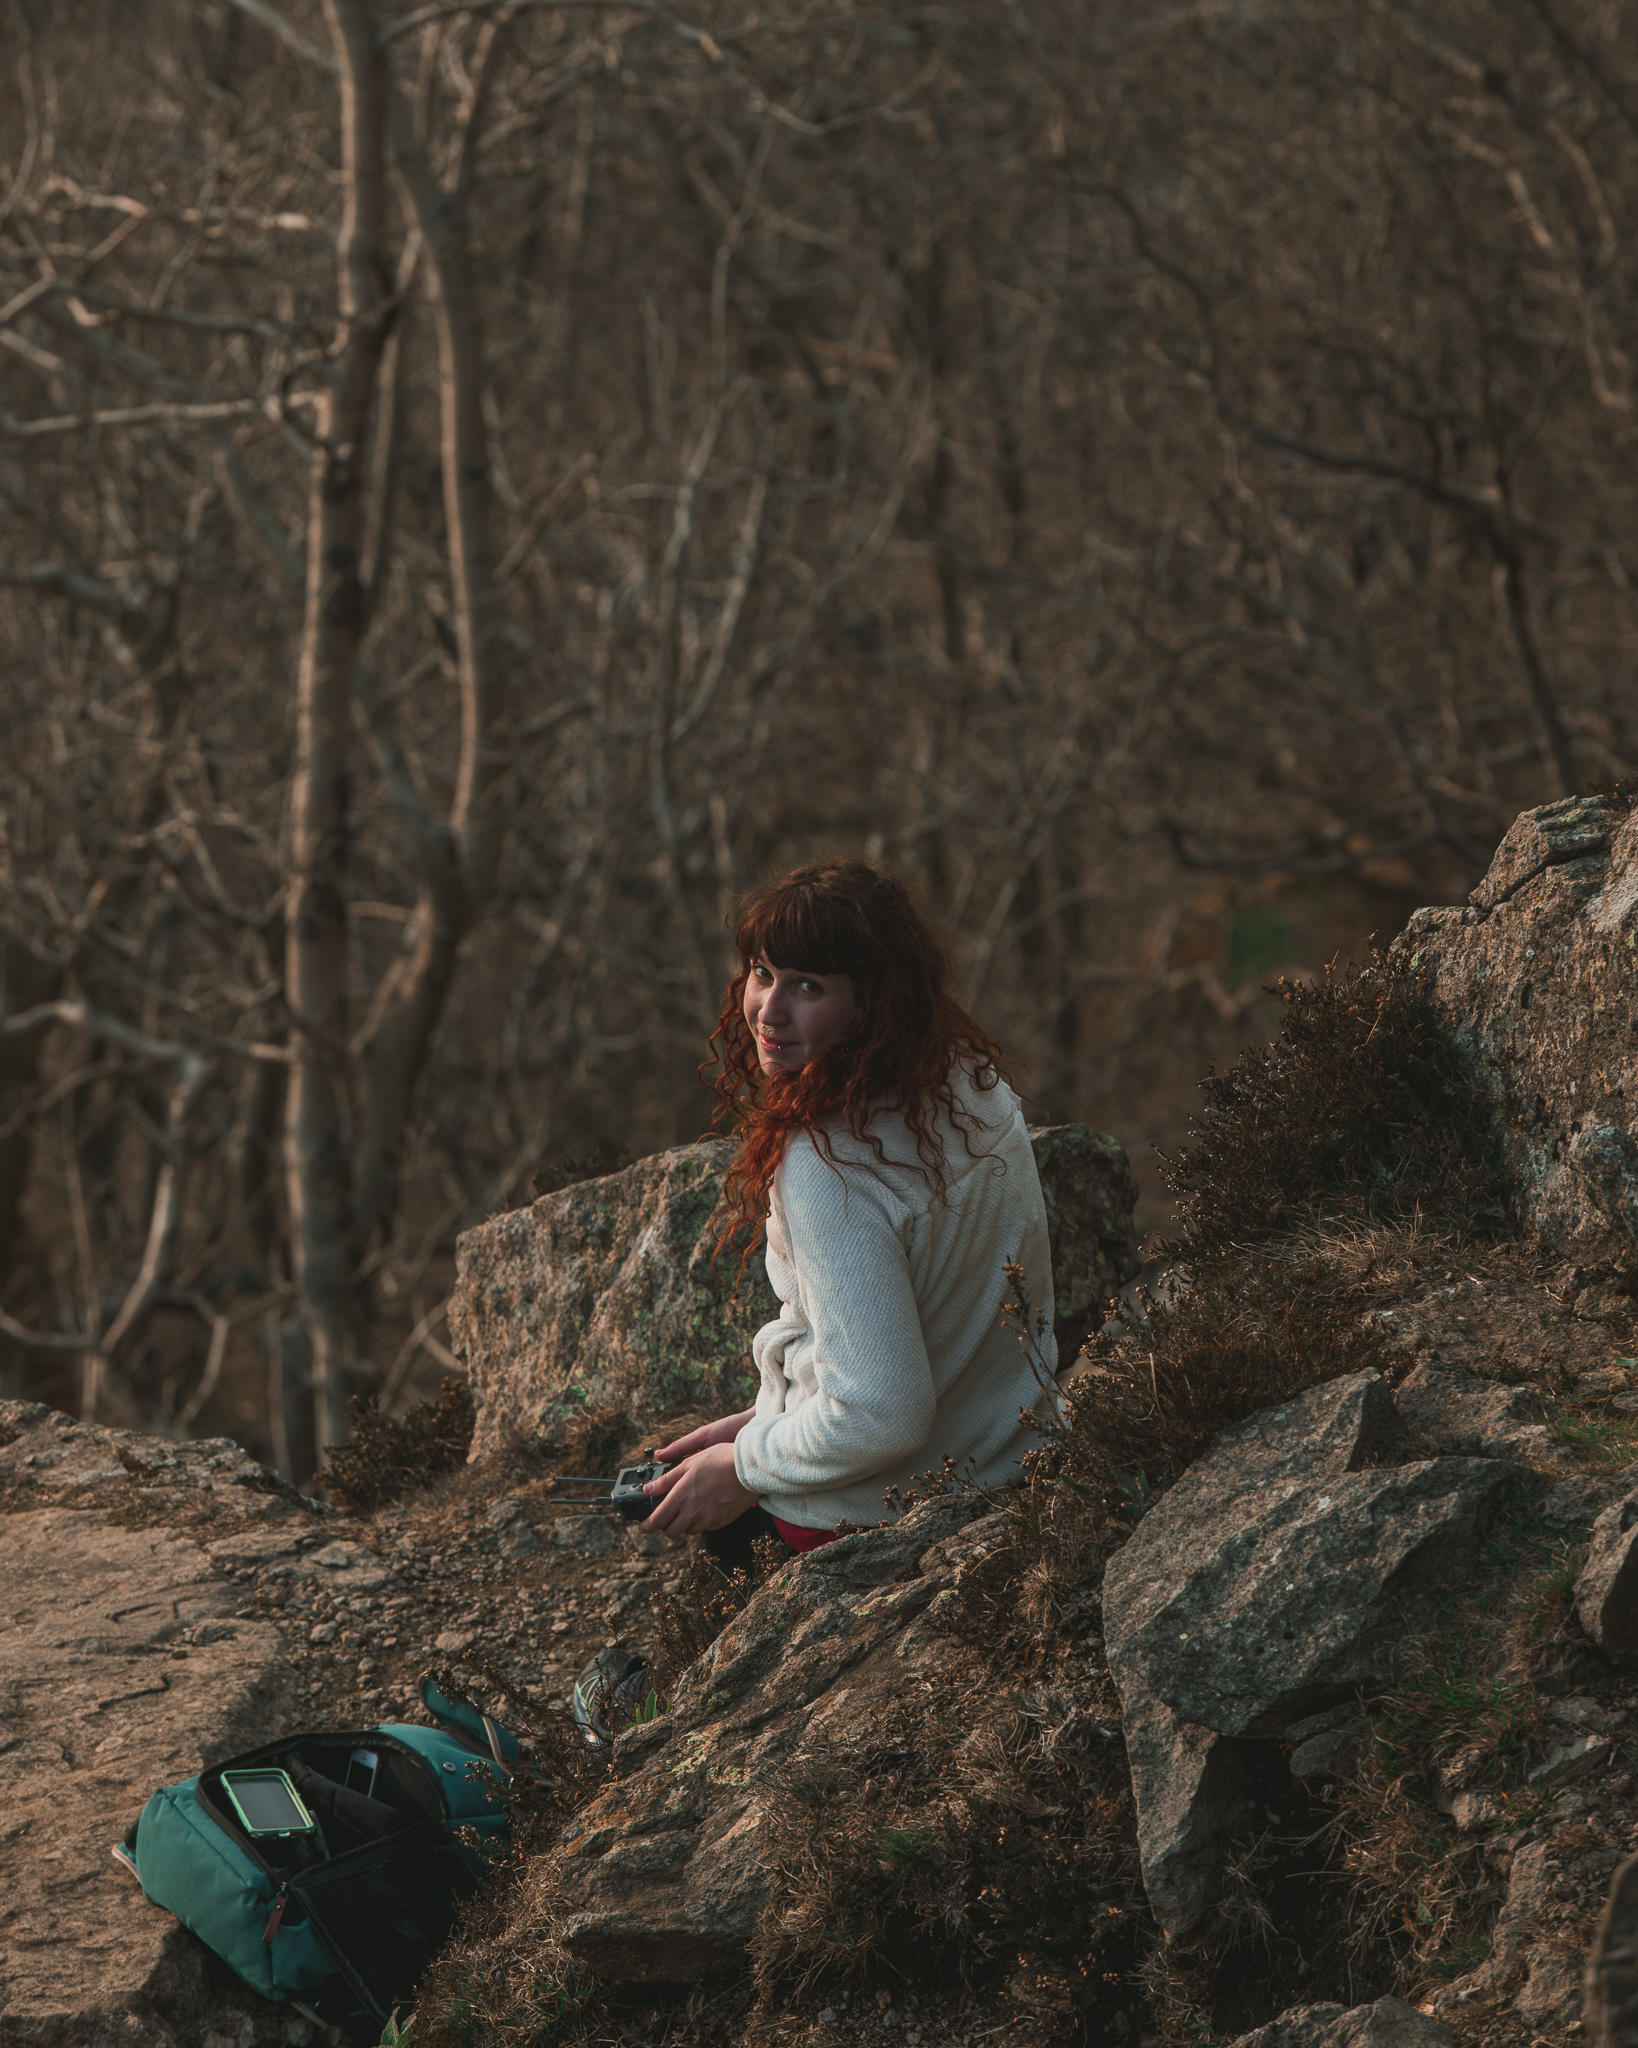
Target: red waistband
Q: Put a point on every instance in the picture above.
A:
(803, 1539)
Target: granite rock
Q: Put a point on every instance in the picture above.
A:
(1272, 1579)
(1456, 1412)
(1606, 1593)
(1388, 2023)
(1537, 1979)
(1534, 984)
(1611, 1989)
(1192, 1792)
(1091, 1193)
(610, 1291)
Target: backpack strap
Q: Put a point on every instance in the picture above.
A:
(478, 1731)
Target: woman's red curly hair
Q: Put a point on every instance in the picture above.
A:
(843, 917)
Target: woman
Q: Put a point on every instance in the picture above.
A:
(890, 1160)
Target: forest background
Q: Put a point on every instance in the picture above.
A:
(480, 485)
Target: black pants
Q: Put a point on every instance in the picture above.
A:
(731, 1544)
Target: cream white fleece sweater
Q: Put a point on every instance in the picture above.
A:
(889, 1352)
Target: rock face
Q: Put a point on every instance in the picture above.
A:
(662, 1878)
(1389, 2023)
(1534, 983)
(1453, 1411)
(606, 1291)
(1269, 1582)
(1606, 1593)
(1541, 1982)
(1193, 1793)
(123, 1663)
(1612, 1966)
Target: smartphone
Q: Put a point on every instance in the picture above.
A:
(361, 1769)
(267, 1803)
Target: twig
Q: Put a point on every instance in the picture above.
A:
(133, 416)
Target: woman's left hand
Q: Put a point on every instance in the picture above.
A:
(702, 1493)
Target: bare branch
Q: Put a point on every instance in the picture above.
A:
(131, 416)
(733, 603)
(255, 511)
(166, 316)
(703, 41)
(50, 1340)
(419, 1339)
(61, 582)
(166, 1212)
(275, 23)
(72, 1010)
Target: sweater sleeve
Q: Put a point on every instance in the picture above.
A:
(875, 1403)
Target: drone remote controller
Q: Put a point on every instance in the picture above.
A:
(628, 1495)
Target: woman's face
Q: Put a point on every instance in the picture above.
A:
(794, 1016)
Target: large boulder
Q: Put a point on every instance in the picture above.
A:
(1274, 1576)
(1091, 1192)
(612, 1292)
(1533, 983)
(1271, 1580)
(1611, 1985)
(609, 1291)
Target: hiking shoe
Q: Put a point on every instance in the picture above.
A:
(606, 1693)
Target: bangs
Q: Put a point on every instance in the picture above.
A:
(803, 930)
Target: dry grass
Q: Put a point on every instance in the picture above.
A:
(504, 1981)
(1460, 1711)
(972, 1830)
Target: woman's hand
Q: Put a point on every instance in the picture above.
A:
(702, 1493)
(720, 1432)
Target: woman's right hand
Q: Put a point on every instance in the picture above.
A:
(722, 1431)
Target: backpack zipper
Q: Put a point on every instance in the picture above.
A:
(280, 1901)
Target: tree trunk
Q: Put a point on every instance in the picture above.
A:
(456, 858)
(316, 1123)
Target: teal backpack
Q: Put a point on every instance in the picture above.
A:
(339, 1919)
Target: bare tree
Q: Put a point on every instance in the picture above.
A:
(478, 486)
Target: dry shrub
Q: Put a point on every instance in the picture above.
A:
(383, 1458)
(1360, 1105)
(586, 1442)
(1245, 1334)
(1328, 1167)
